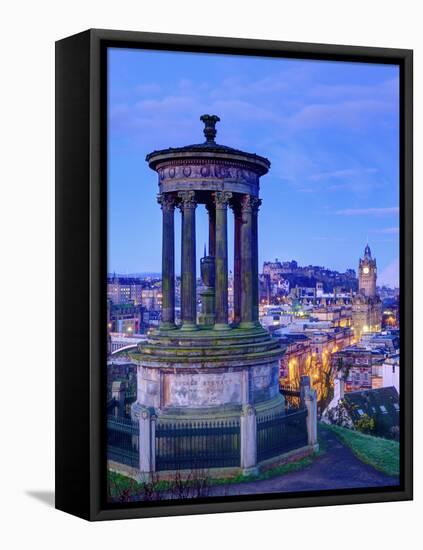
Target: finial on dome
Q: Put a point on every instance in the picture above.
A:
(209, 127)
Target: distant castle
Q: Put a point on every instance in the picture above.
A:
(307, 276)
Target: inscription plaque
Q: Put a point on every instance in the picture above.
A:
(202, 390)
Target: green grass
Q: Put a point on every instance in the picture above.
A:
(382, 454)
(120, 484)
(273, 472)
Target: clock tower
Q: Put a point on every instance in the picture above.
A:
(367, 274)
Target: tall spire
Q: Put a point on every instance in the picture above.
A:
(367, 252)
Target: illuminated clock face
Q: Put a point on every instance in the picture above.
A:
(365, 270)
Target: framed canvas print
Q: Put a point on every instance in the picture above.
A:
(234, 274)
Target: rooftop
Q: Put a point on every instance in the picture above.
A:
(381, 404)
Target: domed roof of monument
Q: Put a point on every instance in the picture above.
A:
(207, 147)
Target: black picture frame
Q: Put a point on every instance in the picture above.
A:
(81, 268)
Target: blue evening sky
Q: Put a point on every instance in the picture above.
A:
(330, 130)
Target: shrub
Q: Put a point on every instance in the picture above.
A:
(365, 424)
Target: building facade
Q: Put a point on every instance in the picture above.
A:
(391, 372)
(123, 290)
(125, 318)
(359, 366)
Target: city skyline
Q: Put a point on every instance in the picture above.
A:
(329, 129)
(157, 273)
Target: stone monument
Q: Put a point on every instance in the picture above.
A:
(206, 369)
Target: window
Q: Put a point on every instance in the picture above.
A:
(383, 409)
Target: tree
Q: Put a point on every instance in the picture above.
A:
(365, 424)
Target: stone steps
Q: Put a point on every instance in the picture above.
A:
(209, 338)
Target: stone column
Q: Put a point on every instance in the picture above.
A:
(248, 440)
(206, 316)
(311, 404)
(305, 386)
(188, 205)
(247, 252)
(118, 394)
(221, 262)
(153, 422)
(308, 399)
(256, 203)
(212, 229)
(167, 203)
(147, 438)
(237, 262)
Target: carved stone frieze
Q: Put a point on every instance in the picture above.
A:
(211, 170)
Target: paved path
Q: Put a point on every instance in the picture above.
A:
(337, 468)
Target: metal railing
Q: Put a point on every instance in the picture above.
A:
(281, 433)
(201, 445)
(291, 394)
(197, 445)
(123, 441)
(289, 389)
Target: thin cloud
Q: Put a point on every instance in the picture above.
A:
(329, 238)
(388, 230)
(344, 173)
(148, 88)
(368, 211)
(351, 114)
(390, 274)
(387, 88)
